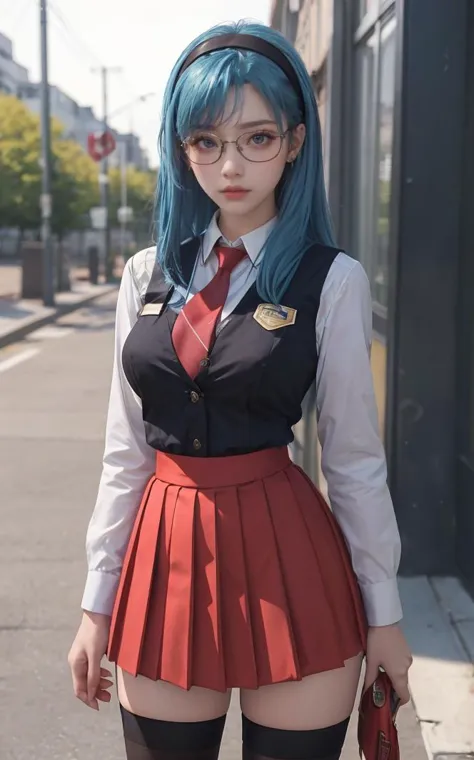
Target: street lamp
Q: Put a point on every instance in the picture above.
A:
(124, 211)
(140, 99)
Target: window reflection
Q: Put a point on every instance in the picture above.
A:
(365, 6)
(375, 94)
(363, 196)
(385, 143)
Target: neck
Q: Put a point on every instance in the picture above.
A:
(234, 227)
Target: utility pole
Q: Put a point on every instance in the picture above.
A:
(104, 177)
(46, 196)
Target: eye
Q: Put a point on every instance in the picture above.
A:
(202, 142)
(261, 138)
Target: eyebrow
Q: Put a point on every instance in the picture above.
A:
(246, 124)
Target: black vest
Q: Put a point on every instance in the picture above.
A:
(248, 395)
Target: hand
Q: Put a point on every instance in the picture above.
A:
(387, 648)
(89, 679)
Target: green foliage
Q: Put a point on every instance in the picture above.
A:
(140, 193)
(20, 172)
(74, 173)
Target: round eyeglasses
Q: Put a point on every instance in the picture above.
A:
(257, 147)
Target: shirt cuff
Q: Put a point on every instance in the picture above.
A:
(100, 592)
(382, 602)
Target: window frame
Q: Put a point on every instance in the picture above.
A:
(373, 24)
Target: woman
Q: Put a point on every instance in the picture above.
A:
(213, 561)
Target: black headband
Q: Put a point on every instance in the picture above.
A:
(247, 42)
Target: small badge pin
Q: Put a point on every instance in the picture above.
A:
(154, 309)
(272, 317)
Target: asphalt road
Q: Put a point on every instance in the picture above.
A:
(53, 396)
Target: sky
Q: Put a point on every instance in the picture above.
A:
(142, 37)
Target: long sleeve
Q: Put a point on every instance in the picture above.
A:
(353, 458)
(127, 466)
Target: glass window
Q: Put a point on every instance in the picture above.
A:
(386, 99)
(363, 200)
(373, 138)
(364, 6)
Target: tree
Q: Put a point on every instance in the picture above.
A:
(74, 173)
(140, 192)
(20, 171)
(74, 184)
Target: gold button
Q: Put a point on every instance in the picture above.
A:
(197, 444)
(194, 397)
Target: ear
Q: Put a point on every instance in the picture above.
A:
(297, 138)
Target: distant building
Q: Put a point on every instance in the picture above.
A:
(12, 74)
(79, 121)
(134, 155)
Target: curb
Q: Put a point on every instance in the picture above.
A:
(34, 323)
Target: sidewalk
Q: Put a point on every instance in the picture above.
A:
(439, 625)
(438, 621)
(19, 317)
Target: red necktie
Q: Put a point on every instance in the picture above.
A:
(195, 325)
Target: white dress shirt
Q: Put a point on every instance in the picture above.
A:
(353, 459)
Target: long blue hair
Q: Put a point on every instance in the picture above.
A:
(199, 96)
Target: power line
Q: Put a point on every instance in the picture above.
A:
(19, 15)
(64, 24)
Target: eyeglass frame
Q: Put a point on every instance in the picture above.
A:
(281, 135)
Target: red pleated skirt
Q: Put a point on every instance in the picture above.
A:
(236, 575)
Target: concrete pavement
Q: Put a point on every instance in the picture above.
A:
(53, 395)
(19, 317)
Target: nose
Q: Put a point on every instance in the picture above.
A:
(232, 165)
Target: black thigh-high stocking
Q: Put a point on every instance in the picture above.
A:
(263, 743)
(148, 739)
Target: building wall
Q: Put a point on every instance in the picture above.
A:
(80, 121)
(12, 75)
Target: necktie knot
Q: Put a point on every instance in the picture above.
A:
(228, 257)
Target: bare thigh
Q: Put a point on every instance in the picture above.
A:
(317, 701)
(165, 701)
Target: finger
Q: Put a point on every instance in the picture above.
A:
(93, 678)
(371, 673)
(401, 687)
(105, 673)
(105, 684)
(79, 678)
(104, 696)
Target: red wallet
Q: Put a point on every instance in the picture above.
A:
(377, 731)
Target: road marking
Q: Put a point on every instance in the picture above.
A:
(51, 332)
(18, 359)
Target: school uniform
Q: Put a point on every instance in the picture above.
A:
(220, 563)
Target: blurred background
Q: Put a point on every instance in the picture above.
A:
(81, 86)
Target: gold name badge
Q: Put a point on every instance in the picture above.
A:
(272, 317)
(151, 308)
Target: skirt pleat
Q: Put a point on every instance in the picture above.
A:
(236, 575)
(345, 591)
(150, 660)
(236, 624)
(269, 613)
(119, 614)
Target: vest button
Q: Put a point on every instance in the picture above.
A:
(196, 444)
(194, 397)
(205, 362)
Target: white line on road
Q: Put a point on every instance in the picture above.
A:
(18, 359)
(51, 332)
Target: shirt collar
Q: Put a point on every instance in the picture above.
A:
(253, 241)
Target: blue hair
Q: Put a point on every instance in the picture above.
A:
(199, 96)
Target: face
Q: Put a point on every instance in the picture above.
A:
(243, 188)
